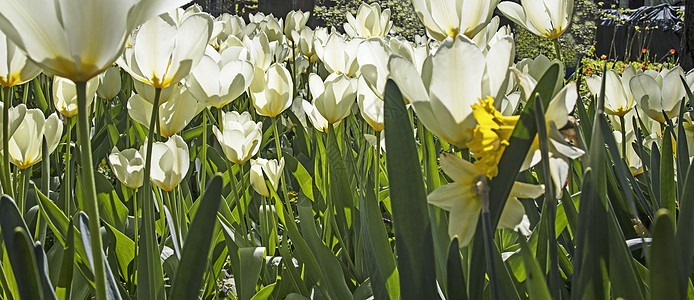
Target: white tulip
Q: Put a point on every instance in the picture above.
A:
(65, 94)
(370, 22)
(547, 18)
(174, 115)
(25, 145)
(240, 137)
(220, 79)
(448, 18)
(128, 166)
(164, 52)
(172, 165)
(271, 169)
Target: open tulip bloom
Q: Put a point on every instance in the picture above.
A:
(618, 98)
(658, 93)
(448, 18)
(165, 52)
(547, 18)
(240, 137)
(370, 22)
(220, 78)
(457, 76)
(174, 115)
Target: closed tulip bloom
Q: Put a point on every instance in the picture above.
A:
(372, 56)
(271, 91)
(220, 78)
(334, 97)
(370, 22)
(304, 40)
(444, 18)
(662, 93)
(632, 158)
(15, 67)
(452, 80)
(128, 166)
(370, 105)
(547, 18)
(25, 145)
(271, 169)
(109, 83)
(76, 39)
(65, 94)
(163, 52)
(618, 98)
(295, 22)
(15, 117)
(172, 165)
(240, 137)
(174, 115)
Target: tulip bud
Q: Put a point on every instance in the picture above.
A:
(172, 165)
(272, 170)
(109, 83)
(25, 145)
(272, 90)
(333, 97)
(295, 21)
(65, 94)
(128, 166)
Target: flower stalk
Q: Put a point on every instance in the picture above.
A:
(8, 187)
(87, 174)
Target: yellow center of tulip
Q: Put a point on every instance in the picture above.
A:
(490, 136)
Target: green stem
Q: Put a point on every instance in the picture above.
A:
(66, 176)
(149, 263)
(282, 180)
(8, 185)
(20, 191)
(377, 166)
(624, 137)
(203, 152)
(89, 185)
(45, 179)
(135, 217)
(243, 218)
(557, 48)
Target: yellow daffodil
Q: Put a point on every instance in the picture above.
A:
(452, 80)
(460, 198)
(490, 136)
